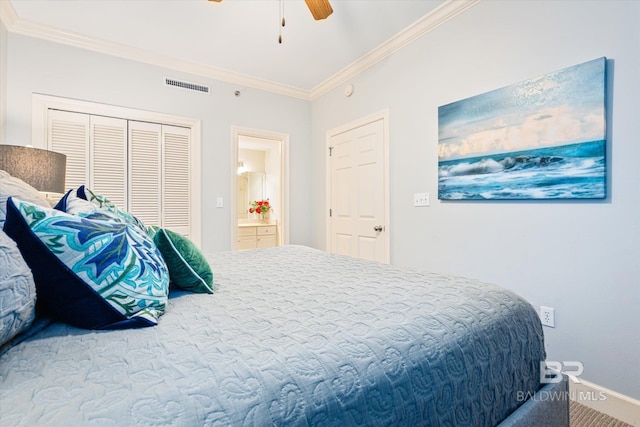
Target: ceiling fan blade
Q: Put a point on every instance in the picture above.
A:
(320, 9)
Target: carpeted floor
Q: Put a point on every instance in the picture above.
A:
(582, 416)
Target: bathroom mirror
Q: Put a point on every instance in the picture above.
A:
(251, 186)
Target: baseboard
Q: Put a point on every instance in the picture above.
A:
(607, 401)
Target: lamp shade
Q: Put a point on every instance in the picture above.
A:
(43, 170)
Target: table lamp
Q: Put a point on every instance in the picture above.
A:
(43, 170)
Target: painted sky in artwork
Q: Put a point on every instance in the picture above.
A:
(559, 108)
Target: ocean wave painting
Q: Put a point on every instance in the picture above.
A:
(544, 138)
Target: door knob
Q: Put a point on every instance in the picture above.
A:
(377, 228)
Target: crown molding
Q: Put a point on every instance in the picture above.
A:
(438, 16)
(7, 14)
(31, 29)
(427, 23)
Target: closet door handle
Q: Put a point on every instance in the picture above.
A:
(378, 228)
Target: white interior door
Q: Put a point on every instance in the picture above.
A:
(176, 185)
(358, 191)
(145, 172)
(108, 159)
(68, 133)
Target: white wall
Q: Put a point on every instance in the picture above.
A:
(38, 66)
(582, 258)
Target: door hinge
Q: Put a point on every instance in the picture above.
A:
(330, 151)
(330, 213)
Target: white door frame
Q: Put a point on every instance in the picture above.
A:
(380, 115)
(283, 140)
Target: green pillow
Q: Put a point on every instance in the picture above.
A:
(188, 268)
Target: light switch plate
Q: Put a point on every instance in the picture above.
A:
(421, 199)
(219, 202)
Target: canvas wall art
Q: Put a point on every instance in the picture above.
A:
(544, 138)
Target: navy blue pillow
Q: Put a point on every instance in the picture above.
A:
(90, 271)
(62, 203)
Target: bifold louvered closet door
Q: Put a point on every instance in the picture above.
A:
(142, 167)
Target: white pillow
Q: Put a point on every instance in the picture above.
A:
(17, 291)
(10, 186)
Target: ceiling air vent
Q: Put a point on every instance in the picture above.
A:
(186, 85)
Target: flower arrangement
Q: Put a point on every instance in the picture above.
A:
(260, 207)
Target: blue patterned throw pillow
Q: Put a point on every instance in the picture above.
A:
(83, 200)
(72, 204)
(106, 204)
(90, 271)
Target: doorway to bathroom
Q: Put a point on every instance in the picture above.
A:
(260, 173)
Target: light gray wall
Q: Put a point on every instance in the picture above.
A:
(582, 258)
(38, 66)
(3, 79)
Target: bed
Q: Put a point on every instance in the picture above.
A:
(294, 336)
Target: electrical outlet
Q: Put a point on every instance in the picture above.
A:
(420, 199)
(548, 316)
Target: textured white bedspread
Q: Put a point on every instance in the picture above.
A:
(291, 336)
